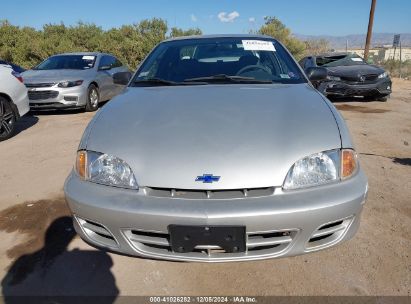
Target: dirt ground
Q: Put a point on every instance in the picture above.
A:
(40, 254)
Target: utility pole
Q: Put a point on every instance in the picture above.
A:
(369, 32)
(400, 59)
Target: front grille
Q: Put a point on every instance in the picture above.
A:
(352, 92)
(40, 85)
(368, 78)
(329, 233)
(371, 77)
(258, 243)
(41, 95)
(97, 233)
(209, 194)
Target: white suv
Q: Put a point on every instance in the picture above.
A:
(14, 102)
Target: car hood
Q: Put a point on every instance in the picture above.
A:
(249, 135)
(38, 76)
(354, 71)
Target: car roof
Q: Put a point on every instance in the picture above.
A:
(333, 54)
(247, 36)
(83, 54)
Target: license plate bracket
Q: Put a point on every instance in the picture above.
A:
(184, 238)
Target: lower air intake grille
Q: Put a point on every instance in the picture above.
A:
(97, 233)
(329, 233)
(259, 243)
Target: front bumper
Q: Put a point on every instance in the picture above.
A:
(57, 98)
(382, 87)
(277, 225)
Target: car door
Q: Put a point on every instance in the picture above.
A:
(105, 77)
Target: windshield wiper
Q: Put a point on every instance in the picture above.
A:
(154, 81)
(163, 82)
(223, 78)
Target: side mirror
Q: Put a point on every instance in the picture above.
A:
(316, 73)
(104, 68)
(121, 78)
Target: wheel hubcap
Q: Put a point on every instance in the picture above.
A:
(93, 98)
(6, 119)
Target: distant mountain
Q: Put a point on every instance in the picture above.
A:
(358, 40)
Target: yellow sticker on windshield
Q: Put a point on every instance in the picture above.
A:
(258, 45)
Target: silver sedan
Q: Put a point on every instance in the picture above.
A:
(219, 150)
(73, 80)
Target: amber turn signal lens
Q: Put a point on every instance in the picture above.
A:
(349, 163)
(81, 163)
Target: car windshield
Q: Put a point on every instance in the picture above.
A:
(69, 62)
(339, 60)
(222, 60)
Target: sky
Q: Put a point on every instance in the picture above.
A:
(316, 17)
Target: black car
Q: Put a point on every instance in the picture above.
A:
(349, 75)
(15, 67)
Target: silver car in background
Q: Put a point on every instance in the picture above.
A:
(219, 150)
(73, 80)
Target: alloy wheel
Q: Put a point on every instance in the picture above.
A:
(93, 98)
(6, 118)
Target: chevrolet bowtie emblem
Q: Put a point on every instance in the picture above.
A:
(207, 178)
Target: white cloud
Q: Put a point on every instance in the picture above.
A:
(193, 18)
(251, 19)
(230, 17)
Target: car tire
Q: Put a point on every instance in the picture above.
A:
(93, 98)
(7, 119)
(382, 98)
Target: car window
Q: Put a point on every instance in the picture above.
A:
(260, 59)
(111, 61)
(339, 60)
(107, 61)
(72, 62)
(117, 63)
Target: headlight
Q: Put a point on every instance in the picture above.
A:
(105, 169)
(321, 168)
(69, 84)
(383, 75)
(334, 78)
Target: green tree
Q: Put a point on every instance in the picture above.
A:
(275, 28)
(27, 46)
(177, 32)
